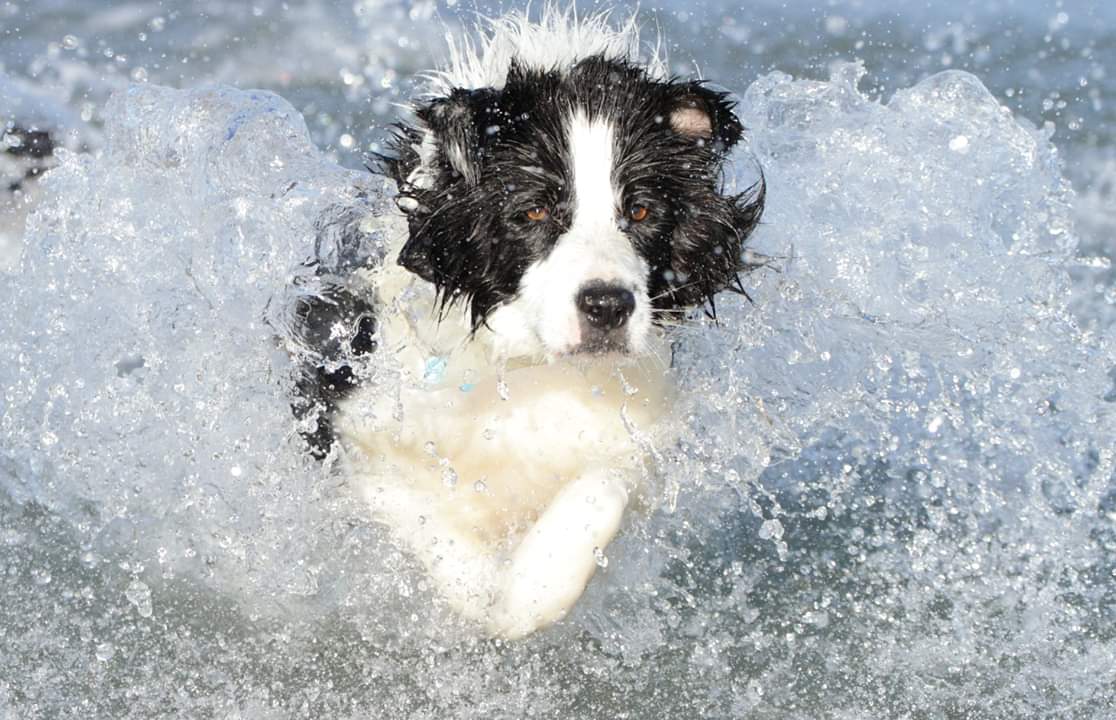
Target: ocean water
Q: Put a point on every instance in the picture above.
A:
(895, 491)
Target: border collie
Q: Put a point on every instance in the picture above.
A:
(563, 208)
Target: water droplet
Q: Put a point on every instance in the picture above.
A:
(140, 596)
(105, 651)
(599, 556)
(836, 25)
(771, 529)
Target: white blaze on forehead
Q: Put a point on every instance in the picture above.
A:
(591, 151)
(544, 319)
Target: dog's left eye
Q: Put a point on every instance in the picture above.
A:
(638, 213)
(538, 214)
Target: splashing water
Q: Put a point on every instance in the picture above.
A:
(894, 495)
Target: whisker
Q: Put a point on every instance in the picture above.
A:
(655, 356)
(672, 290)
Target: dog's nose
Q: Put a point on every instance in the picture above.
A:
(605, 307)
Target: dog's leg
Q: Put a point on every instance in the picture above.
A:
(464, 571)
(555, 559)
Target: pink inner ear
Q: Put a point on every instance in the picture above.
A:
(691, 122)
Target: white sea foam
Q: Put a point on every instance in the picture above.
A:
(146, 398)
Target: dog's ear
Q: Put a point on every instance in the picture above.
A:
(437, 246)
(459, 128)
(699, 112)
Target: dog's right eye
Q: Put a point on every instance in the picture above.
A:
(538, 214)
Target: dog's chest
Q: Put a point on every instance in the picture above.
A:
(490, 445)
(495, 454)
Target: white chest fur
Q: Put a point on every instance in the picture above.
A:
(504, 478)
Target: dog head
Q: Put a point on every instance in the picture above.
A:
(572, 209)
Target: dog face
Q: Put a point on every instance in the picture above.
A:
(573, 210)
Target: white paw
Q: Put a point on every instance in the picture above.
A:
(558, 555)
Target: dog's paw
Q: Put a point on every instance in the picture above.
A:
(556, 558)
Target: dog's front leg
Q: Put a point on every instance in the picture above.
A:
(464, 571)
(557, 556)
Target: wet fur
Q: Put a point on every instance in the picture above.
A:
(513, 147)
(507, 471)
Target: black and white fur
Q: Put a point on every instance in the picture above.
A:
(562, 204)
(25, 154)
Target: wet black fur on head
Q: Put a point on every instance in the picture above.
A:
(501, 153)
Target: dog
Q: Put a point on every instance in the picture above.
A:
(560, 207)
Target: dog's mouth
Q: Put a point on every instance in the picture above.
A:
(603, 346)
